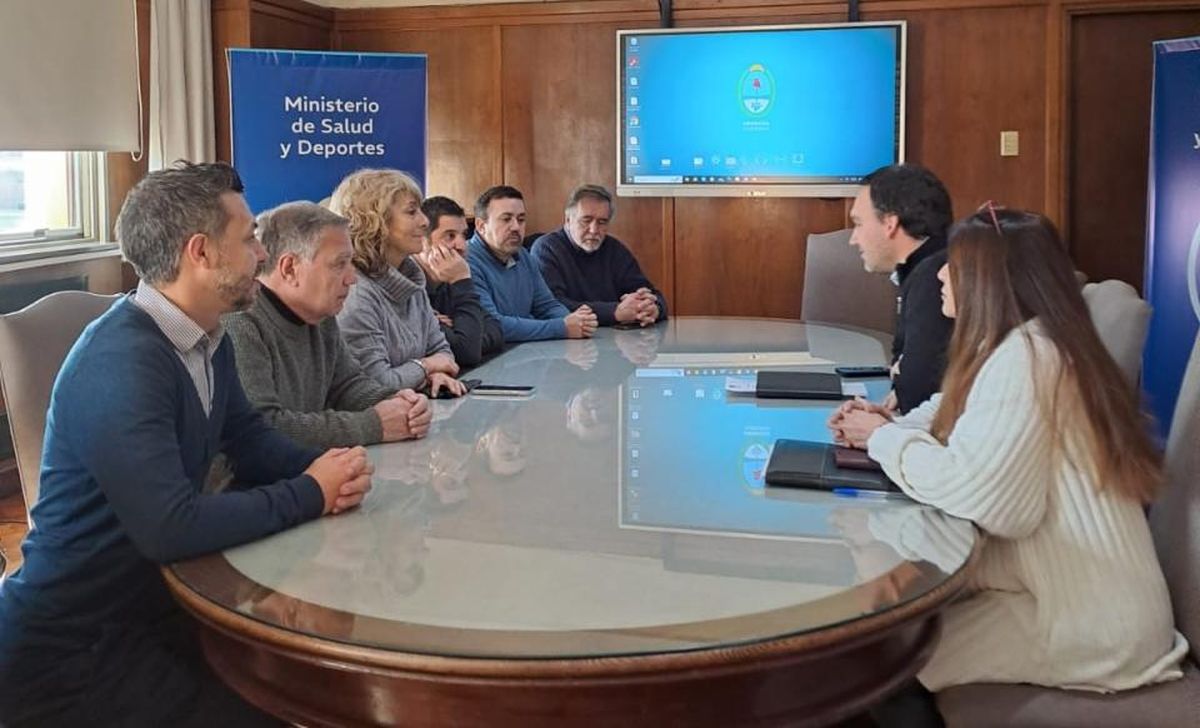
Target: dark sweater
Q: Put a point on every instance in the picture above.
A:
(922, 332)
(127, 449)
(598, 279)
(475, 333)
(302, 378)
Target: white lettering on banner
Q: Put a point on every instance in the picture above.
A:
(346, 126)
(305, 148)
(322, 105)
(1196, 141)
(333, 125)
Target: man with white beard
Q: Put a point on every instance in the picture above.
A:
(584, 265)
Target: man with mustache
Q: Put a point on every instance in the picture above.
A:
(290, 355)
(507, 279)
(89, 633)
(583, 264)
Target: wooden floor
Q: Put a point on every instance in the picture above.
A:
(12, 529)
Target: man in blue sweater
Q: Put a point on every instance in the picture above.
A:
(89, 634)
(583, 264)
(509, 284)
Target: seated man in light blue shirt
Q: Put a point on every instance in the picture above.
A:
(507, 278)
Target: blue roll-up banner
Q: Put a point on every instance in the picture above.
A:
(1173, 222)
(301, 120)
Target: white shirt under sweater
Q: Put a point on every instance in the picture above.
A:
(1068, 591)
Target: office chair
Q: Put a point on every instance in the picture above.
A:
(838, 291)
(33, 344)
(1122, 320)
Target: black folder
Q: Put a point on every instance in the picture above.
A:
(799, 385)
(804, 464)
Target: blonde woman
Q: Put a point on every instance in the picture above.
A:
(387, 321)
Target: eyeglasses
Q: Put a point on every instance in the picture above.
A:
(991, 208)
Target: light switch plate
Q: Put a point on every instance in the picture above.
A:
(1010, 143)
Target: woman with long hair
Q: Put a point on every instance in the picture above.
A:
(387, 321)
(1038, 439)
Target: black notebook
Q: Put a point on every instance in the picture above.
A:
(799, 385)
(804, 464)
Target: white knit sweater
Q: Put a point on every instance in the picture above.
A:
(1068, 591)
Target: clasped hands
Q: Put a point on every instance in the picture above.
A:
(856, 420)
(404, 416)
(344, 477)
(640, 306)
(581, 323)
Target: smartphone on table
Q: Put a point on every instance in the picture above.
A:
(502, 390)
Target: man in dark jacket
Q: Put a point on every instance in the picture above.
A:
(900, 219)
(473, 333)
(583, 264)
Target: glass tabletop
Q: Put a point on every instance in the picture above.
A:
(618, 510)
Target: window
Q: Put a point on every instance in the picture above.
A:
(50, 197)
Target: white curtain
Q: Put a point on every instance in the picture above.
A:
(181, 85)
(68, 75)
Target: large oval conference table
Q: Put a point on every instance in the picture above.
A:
(601, 553)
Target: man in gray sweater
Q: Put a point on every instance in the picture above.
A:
(290, 356)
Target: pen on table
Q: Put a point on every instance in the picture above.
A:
(860, 493)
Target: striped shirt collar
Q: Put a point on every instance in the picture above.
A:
(183, 333)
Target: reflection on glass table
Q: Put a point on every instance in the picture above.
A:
(693, 454)
(621, 501)
(612, 527)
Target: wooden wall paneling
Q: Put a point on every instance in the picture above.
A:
(972, 74)
(496, 99)
(230, 29)
(464, 145)
(559, 126)
(745, 257)
(1055, 118)
(260, 24)
(1111, 70)
(716, 12)
(632, 13)
(290, 24)
(666, 278)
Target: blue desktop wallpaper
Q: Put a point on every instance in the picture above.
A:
(782, 105)
(709, 475)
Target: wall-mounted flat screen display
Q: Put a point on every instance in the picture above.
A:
(804, 110)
